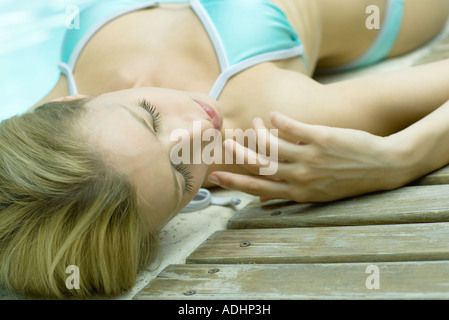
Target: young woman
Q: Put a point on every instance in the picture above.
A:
(88, 180)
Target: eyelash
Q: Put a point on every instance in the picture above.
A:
(183, 170)
(144, 103)
(187, 174)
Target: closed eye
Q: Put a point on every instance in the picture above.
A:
(188, 178)
(151, 109)
(183, 170)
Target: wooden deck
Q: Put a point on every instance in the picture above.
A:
(388, 245)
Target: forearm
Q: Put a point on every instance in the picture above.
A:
(423, 147)
(388, 102)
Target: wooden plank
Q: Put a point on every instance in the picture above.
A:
(414, 204)
(411, 242)
(400, 280)
(440, 176)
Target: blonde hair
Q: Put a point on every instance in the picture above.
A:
(61, 205)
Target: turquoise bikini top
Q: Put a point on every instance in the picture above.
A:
(243, 32)
(384, 43)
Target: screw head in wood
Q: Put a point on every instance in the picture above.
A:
(189, 293)
(245, 244)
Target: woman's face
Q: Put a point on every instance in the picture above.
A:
(132, 129)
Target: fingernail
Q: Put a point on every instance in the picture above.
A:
(214, 180)
(257, 120)
(272, 114)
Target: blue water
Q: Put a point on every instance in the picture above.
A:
(31, 34)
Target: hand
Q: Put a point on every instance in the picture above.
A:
(316, 163)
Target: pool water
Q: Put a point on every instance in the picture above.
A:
(31, 34)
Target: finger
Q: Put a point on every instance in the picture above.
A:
(248, 158)
(265, 199)
(260, 164)
(266, 141)
(252, 185)
(296, 130)
(276, 147)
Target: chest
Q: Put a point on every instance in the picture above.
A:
(170, 46)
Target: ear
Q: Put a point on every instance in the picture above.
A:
(70, 98)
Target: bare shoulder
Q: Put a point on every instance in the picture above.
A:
(265, 88)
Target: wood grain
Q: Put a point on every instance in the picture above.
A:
(402, 280)
(414, 204)
(387, 243)
(440, 176)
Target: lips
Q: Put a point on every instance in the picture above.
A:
(211, 113)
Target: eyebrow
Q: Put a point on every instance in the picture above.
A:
(139, 118)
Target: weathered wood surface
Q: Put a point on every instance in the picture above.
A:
(440, 176)
(414, 204)
(400, 280)
(387, 243)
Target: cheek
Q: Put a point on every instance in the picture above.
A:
(199, 174)
(187, 119)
